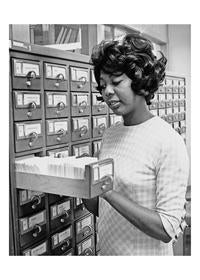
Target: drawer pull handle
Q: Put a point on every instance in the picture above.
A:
(83, 130)
(59, 78)
(83, 106)
(37, 229)
(30, 76)
(33, 137)
(61, 133)
(87, 230)
(65, 217)
(101, 128)
(32, 107)
(88, 251)
(83, 81)
(65, 246)
(37, 200)
(60, 107)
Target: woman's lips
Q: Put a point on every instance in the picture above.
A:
(114, 104)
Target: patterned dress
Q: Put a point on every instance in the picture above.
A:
(151, 168)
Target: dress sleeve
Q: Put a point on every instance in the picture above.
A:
(172, 179)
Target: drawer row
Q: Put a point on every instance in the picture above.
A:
(34, 227)
(30, 74)
(29, 105)
(32, 134)
(62, 244)
(35, 75)
(31, 202)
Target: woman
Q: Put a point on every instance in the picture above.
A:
(142, 215)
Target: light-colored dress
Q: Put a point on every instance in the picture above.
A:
(151, 168)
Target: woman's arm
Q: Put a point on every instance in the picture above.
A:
(145, 219)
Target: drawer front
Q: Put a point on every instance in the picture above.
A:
(57, 132)
(61, 214)
(80, 104)
(79, 79)
(98, 105)
(26, 74)
(62, 241)
(27, 105)
(37, 250)
(84, 227)
(55, 77)
(81, 150)
(30, 202)
(59, 153)
(86, 247)
(56, 104)
(28, 136)
(81, 128)
(32, 228)
(100, 123)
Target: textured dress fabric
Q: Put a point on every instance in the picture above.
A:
(151, 168)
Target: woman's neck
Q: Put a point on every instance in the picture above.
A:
(137, 117)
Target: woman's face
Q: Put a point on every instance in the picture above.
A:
(118, 94)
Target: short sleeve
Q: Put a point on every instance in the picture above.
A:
(171, 184)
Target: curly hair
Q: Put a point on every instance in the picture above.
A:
(133, 55)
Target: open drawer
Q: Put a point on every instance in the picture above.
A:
(98, 179)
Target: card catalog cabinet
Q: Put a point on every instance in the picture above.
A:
(56, 110)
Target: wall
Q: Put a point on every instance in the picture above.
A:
(156, 31)
(179, 61)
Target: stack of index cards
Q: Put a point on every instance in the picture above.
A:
(69, 167)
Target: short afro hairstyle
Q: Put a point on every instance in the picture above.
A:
(132, 55)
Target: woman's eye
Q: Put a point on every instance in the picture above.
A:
(102, 87)
(116, 83)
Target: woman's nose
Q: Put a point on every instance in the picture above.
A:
(109, 91)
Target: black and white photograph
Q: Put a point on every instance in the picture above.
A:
(99, 140)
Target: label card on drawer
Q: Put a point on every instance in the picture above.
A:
(60, 125)
(36, 219)
(53, 211)
(27, 67)
(23, 196)
(168, 82)
(50, 99)
(55, 239)
(63, 207)
(84, 150)
(181, 83)
(59, 70)
(53, 71)
(30, 128)
(82, 98)
(24, 224)
(39, 250)
(86, 222)
(176, 110)
(64, 235)
(20, 130)
(50, 127)
(86, 244)
(77, 74)
(105, 170)
(101, 121)
(59, 98)
(28, 98)
(19, 99)
(21, 68)
(83, 122)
